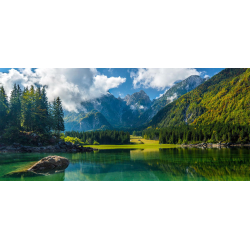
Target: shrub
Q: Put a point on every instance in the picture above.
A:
(73, 140)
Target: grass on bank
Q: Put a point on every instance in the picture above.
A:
(137, 142)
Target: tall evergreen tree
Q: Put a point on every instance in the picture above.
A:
(27, 108)
(58, 122)
(40, 112)
(15, 107)
(45, 107)
(3, 109)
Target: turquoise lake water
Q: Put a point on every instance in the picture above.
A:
(173, 164)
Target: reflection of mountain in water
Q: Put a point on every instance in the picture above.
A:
(211, 164)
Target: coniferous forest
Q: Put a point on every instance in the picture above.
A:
(102, 137)
(27, 116)
(211, 133)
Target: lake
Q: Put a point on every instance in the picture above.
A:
(171, 164)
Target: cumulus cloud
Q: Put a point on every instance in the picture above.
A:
(72, 85)
(160, 78)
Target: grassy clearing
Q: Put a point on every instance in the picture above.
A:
(136, 144)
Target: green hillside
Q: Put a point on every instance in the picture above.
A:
(180, 88)
(225, 98)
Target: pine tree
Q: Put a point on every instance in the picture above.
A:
(45, 107)
(41, 111)
(27, 110)
(3, 109)
(15, 107)
(58, 122)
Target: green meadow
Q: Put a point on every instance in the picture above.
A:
(137, 142)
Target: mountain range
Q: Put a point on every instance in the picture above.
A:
(109, 112)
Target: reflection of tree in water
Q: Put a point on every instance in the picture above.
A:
(105, 161)
(90, 166)
(211, 164)
(102, 156)
(166, 164)
(149, 164)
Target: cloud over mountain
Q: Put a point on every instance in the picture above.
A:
(160, 78)
(72, 85)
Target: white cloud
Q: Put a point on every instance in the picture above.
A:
(162, 94)
(72, 85)
(160, 78)
(172, 98)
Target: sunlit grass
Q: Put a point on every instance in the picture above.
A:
(136, 144)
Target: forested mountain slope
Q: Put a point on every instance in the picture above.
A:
(172, 94)
(223, 98)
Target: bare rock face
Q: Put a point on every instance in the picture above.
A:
(50, 163)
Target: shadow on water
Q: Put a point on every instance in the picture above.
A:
(171, 164)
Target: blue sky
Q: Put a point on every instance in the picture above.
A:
(153, 90)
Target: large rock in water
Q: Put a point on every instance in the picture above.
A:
(50, 163)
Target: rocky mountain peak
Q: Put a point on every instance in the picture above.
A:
(138, 98)
(142, 92)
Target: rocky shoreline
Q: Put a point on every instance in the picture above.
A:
(58, 148)
(214, 145)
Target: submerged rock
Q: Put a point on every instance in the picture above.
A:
(50, 163)
(45, 167)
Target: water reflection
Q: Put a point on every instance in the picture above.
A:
(182, 164)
